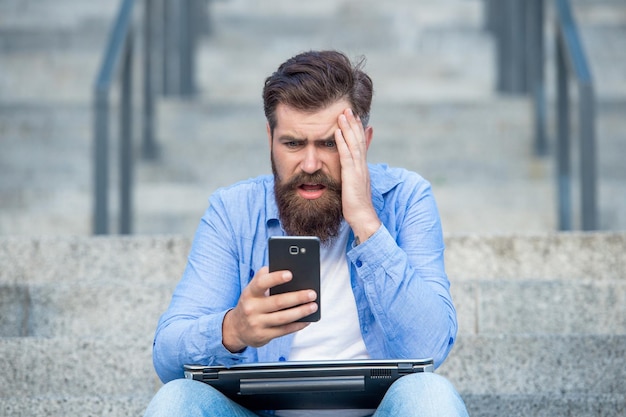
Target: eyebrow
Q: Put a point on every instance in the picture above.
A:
(287, 138)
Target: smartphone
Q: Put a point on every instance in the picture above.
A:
(301, 256)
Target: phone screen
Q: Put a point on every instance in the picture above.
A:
(301, 256)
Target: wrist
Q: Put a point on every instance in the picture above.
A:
(229, 338)
(363, 231)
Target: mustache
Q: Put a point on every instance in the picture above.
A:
(315, 178)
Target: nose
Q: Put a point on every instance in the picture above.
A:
(311, 162)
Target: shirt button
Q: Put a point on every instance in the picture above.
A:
(359, 263)
(251, 273)
(282, 359)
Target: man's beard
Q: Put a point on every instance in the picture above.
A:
(319, 217)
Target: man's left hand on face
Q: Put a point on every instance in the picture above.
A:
(352, 143)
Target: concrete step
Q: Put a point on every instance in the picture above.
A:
(429, 12)
(439, 72)
(118, 287)
(45, 147)
(343, 23)
(37, 37)
(538, 364)
(545, 405)
(602, 27)
(95, 405)
(413, 49)
(141, 260)
(103, 310)
(100, 311)
(604, 45)
(37, 26)
(49, 77)
(154, 260)
(562, 256)
(53, 13)
(76, 367)
(540, 307)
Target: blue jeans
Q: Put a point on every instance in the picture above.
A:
(417, 395)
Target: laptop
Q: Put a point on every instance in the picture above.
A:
(341, 384)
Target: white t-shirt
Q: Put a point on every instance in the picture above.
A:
(337, 335)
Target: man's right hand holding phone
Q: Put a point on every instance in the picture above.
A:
(260, 317)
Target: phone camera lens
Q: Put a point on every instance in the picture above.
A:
(294, 250)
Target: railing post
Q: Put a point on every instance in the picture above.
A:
(179, 37)
(149, 148)
(569, 47)
(508, 21)
(126, 136)
(169, 47)
(186, 40)
(588, 172)
(101, 163)
(116, 44)
(563, 141)
(498, 25)
(518, 33)
(536, 59)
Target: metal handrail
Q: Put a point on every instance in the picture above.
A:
(120, 52)
(519, 30)
(119, 47)
(572, 61)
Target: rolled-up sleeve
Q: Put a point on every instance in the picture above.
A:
(400, 270)
(190, 331)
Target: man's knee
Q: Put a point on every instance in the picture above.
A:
(422, 394)
(177, 389)
(180, 397)
(428, 383)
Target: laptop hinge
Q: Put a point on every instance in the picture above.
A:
(405, 368)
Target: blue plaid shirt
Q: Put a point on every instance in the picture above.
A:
(398, 278)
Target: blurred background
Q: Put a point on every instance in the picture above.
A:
(123, 117)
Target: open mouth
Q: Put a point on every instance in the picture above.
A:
(311, 191)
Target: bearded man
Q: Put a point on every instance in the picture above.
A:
(382, 273)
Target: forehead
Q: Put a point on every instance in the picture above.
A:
(308, 124)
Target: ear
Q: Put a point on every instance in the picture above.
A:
(369, 134)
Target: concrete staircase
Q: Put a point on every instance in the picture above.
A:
(78, 315)
(542, 316)
(49, 54)
(541, 324)
(434, 111)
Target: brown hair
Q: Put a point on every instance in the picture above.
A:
(313, 80)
